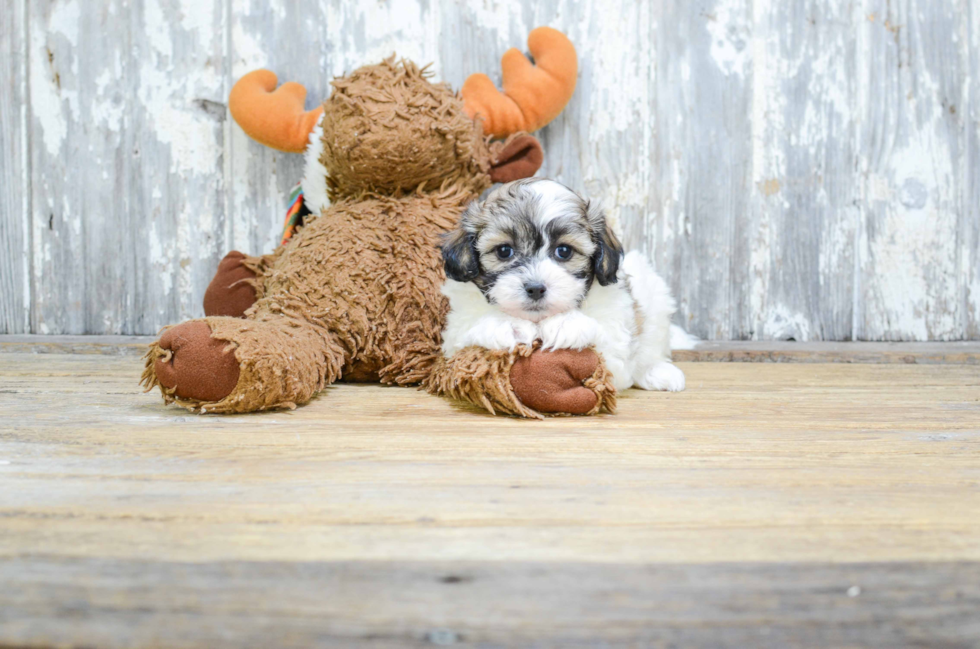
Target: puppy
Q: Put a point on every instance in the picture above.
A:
(535, 261)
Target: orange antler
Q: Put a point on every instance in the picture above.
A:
(533, 94)
(273, 117)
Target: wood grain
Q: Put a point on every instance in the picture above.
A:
(704, 81)
(117, 603)
(768, 505)
(803, 170)
(15, 246)
(795, 276)
(126, 162)
(969, 234)
(912, 145)
(775, 462)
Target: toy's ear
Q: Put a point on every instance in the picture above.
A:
(459, 255)
(608, 250)
(520, 157)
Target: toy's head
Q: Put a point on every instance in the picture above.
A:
(387, 129)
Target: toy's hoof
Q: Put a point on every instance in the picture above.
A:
(198, 367)
(551, 382)
(230, 293)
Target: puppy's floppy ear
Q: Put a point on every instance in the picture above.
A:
(608, 249)
(459, 255)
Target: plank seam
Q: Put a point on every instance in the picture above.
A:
(26, 116)
(962, 230)
(228, 167)
(862, 171)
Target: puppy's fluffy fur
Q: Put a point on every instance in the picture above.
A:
(535, 261)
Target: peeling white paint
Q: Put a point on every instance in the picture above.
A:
(908, 263)
(913, 253)
(498, 20)
(160, 254)
(767, 161)
(620, 98)
(249, 52)
(407, 28)
(46, 104)
(64, 20)
(168, 99)
(154, 26)
(621, 121)
(25, 264)
(730, 32)
(781, 323)
(108, 108)
(196, 16)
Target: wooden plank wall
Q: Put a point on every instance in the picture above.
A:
(799, 170)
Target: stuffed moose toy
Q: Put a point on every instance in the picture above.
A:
(392, 160)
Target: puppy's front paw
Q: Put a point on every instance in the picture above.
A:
(525, 331)
(572, 330)
(663, 376)
(501, 333)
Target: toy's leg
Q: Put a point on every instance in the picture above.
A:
(236, 286)
(526, 383)
(233, 365)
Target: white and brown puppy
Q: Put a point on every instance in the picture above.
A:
(535, 261)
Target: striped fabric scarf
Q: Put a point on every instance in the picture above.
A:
(296, 213)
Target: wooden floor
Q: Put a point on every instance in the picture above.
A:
(769, 504)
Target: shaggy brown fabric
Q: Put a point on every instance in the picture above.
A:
(232, 291)
(482, 377)
(528, 382)
(356, 291)
(283, 362)
(189, 364)
(387, 129)
(380, 318)
(386, 310)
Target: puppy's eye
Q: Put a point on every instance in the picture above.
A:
(563, 252)
(504, 251)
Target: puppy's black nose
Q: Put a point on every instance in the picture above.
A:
(535, 290)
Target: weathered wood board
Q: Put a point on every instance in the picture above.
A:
(805, 170)
(425, 604)
(766, 506)
(15, 249)
(127, 130)
(773, 462)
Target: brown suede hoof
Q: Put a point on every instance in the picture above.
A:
(198, 367)
(551, 382)
(230, 293)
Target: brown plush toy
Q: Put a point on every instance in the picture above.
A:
(392, 161)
